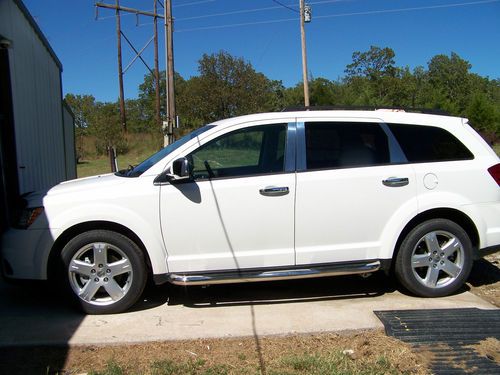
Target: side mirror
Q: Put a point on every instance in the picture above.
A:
(181, 169)
(180, 172)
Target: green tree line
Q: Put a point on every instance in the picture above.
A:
(229, 86)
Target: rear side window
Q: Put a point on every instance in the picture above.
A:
(429, 144)
(345, 145)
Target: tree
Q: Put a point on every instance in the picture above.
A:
(107, 129)
(83, 108)
(450, 81)
(483, 115)
(375, 63)
(372, 74)
(147, 98)
(229, 86)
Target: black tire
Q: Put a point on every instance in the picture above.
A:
(104, 270)
(435, 258)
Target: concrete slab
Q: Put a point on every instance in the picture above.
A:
(30, 315)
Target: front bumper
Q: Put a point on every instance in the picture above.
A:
(24, 253)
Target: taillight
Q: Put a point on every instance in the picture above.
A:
(495, 173)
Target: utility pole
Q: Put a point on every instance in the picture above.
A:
(138, 53)
(169, 50)
(123, 117)
(304, 54)
(157, 71)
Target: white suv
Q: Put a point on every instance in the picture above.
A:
(272, 196)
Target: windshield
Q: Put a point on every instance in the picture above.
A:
(155, 158)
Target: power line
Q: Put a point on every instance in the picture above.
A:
(151, 10)
(285, 6)
(236, 25)
(193, 3)
(254, 10)
(399, 10)
(429, 7)
(227, 13)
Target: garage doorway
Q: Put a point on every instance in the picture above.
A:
(9, 184)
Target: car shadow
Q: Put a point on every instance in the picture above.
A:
(484, 273)
(280, 292)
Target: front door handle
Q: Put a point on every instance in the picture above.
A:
(396, 181)
(273, 191)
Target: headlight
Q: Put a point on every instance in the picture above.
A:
(28, 217)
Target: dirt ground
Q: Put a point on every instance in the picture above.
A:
(366, 352)
(489, 348)
(484, 280)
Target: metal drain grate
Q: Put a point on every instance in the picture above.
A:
(450, 335)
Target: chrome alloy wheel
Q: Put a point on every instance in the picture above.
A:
(100, 273)
(437, 259)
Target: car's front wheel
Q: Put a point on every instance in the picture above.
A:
(434, 259)
(105, 270)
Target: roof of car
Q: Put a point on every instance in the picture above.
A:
(380, 115)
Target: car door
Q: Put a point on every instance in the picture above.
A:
(350, 190)
(237, 212)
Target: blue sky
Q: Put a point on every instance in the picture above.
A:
(268, 36)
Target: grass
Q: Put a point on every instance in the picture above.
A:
(357, 353)
(101, 165)
(330, 363)
(140, 147)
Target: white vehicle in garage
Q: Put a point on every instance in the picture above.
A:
(272, 196)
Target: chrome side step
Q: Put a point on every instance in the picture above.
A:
(282, 274)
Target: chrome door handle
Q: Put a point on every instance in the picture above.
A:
(396, 181)
(273, 191)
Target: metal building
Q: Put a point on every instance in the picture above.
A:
(37, 148)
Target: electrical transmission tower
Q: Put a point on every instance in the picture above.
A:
(168, 23)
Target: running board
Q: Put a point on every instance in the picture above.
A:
(283, 274)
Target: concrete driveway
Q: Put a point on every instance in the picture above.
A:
(31, 315)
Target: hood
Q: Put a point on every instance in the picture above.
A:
(86, 184)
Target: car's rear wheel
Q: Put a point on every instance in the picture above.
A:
(105, 270)
(434, 259)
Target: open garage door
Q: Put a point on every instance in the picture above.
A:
(9, 184)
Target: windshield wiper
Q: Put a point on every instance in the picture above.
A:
(125, 172)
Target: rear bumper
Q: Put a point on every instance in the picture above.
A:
(486, 217)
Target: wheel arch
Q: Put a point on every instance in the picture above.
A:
(451, 214)
(77, 229)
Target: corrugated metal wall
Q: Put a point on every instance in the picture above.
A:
(37, 102)
(69, 142)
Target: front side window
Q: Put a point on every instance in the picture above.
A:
(429, 144)
(345, 145)
(155, 158)
(251, 151)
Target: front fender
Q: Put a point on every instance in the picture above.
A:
(146, 228)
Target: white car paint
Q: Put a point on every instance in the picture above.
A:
(328, 216)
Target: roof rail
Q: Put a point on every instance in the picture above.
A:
(366, 108)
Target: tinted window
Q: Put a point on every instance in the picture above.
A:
(344, 145)
(256, 150)
(427, 143)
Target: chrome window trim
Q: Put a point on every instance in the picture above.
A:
(301, 147)
(290, 150)
(396, 153)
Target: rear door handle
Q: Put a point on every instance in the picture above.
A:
(273, 191)
(396, 181)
